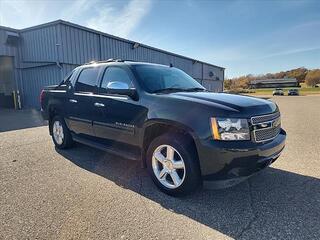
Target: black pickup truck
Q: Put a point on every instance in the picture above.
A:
(159, 115)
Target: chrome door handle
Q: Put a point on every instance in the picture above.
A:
(73, 101)
(99, 104)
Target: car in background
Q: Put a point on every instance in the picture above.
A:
(278, 91)
(293, 92)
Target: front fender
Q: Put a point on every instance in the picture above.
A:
(175, 124)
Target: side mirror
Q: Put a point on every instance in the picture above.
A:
(122, 88)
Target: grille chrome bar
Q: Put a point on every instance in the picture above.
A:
(265, 118)
(266, 134)
(269, 132)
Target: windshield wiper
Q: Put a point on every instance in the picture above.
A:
(168, 90)
(196, 89)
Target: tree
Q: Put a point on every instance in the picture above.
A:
(313, 77)
(280, 75)
(298, 73)
(227, 84)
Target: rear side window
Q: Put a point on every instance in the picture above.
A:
(115, 74)
(87, 80)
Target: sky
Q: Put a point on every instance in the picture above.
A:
(245, 37)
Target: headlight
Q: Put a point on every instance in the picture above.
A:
(230, 129)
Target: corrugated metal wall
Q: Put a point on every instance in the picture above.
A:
(6, 50)
(78, 46)
(41, 48)
(34, 79)
(208, 84)
(39, 45)
(113, 48)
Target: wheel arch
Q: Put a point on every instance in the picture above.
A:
(53, 110)
(158, 127)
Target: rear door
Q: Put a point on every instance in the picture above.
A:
(80, 102)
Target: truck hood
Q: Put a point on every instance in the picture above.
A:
(229, 103)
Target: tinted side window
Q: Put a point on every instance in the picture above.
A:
(87, 80)
(115, 74)
(67, 78)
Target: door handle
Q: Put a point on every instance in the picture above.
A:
(73, 101)
(99, 104)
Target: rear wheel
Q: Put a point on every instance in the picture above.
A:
(61, 135)
(173, 164)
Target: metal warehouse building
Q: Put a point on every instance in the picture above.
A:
(274, 83)
(34, 57)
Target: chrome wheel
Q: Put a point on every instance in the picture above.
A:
(168, 166)
(57, 131)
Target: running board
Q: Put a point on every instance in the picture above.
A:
(110, 149)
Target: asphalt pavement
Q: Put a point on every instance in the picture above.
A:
(83, 193)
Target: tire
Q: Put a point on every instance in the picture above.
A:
(188, 172)
(60, 129)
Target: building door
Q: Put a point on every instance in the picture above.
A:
(7, 85)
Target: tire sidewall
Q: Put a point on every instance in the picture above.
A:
(66, 133)
(190, 158)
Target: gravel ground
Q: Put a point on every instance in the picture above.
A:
(83, 193)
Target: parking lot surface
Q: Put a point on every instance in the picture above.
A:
(83, 193)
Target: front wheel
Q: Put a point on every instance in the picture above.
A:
(173, 165)
(61, 135)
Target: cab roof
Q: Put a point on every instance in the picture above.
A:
(128, 62)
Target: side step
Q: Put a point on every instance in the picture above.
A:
(118, 151)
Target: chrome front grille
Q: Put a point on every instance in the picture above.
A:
(265, 134)
(265, 118)
(266, 127)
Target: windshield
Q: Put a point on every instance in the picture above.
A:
(156, 78)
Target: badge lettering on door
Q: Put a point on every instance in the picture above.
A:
(125, 125)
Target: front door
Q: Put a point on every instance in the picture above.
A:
(117, 118)
(80, 102)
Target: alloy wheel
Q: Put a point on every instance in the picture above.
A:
(168, 166)
(57, 131)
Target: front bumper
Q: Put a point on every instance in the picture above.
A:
(222, 160)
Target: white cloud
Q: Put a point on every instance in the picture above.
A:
(119, 18)
(289, 52)
(120, 22)
(22, 14)
(76, 9)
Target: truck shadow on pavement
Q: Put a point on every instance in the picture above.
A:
(273, 204)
